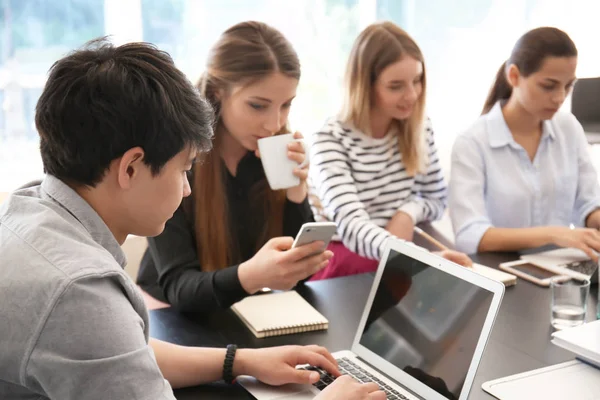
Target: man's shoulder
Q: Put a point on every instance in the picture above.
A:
(43, 248)
(35, 229)
(42, 243)
(45, 255)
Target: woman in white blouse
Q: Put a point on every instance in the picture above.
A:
(521, 175)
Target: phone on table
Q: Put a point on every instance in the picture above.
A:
(532, 272)
(313, 232)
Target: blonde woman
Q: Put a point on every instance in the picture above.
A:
(375, 169)
(233, 236)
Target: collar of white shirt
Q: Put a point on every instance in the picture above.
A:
(499, 134)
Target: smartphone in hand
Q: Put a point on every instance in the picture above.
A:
(315, 231)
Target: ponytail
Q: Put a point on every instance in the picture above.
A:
(501, 90)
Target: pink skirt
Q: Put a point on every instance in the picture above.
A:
(344, 262)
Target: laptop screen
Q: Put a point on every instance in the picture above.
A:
(426, 322)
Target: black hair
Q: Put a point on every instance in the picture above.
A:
(102, 100)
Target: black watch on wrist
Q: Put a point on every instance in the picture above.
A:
(228, 364)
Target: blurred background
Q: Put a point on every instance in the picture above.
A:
(464, 42)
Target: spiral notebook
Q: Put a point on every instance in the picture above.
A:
(281, 313)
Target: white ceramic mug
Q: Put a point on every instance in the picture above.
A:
(279, 169)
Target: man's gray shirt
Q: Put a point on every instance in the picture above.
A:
(72, 324)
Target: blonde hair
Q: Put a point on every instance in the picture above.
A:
(245, 53)
(378, 46)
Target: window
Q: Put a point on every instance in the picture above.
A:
(464, 43)
(35, 33)
(322, 32)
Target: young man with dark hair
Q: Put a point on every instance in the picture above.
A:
(119, 128)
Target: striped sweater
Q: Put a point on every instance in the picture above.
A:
(360, 183)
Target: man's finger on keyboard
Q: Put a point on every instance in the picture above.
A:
(370, 387)
(304, 376)
(316, 359)
(325, 353)
(377, 395)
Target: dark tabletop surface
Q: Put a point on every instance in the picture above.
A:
(520, 339)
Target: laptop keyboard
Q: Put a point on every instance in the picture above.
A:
(348, 367)
(587, 267)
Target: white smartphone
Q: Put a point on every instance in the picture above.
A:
(532, 272)
(315, 231)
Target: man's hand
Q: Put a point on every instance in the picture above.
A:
(277, 365)
(346, 388)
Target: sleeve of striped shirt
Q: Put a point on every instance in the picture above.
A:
(334, 185)
(429, 195)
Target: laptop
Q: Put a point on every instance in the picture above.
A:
(421, 335)
(575, 379)
(569, 380)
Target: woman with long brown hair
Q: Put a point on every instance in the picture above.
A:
(521, 175)
(375, 169)
(232, 237)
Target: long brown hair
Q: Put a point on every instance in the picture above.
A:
(378, 46)
(528, 55)
(244, 54)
